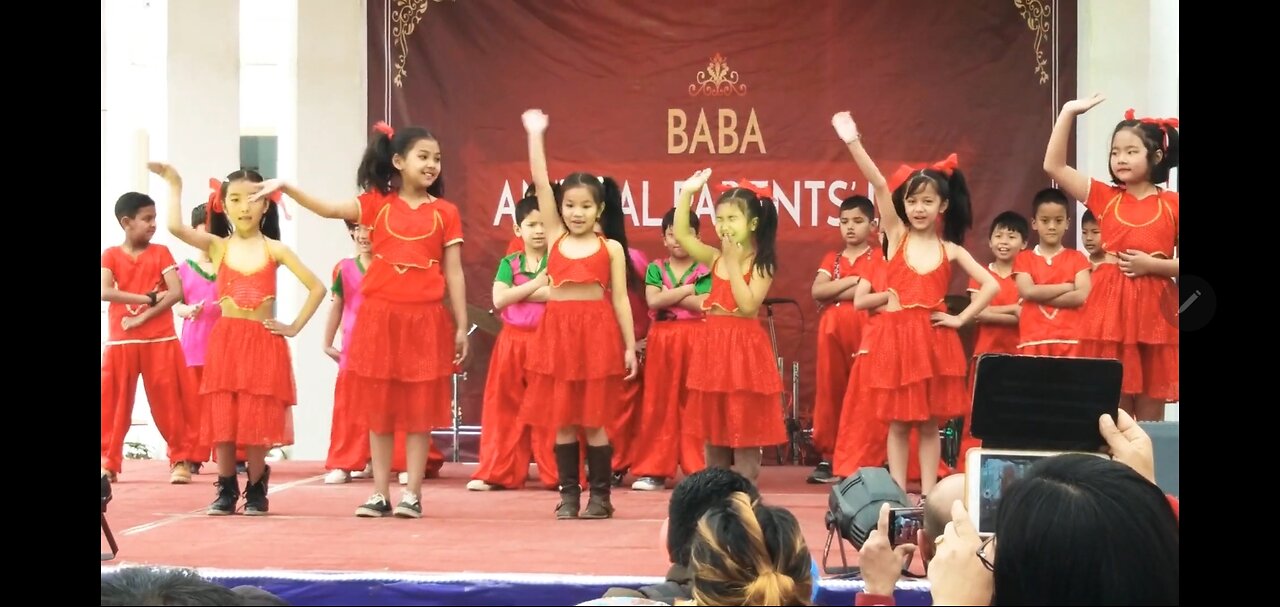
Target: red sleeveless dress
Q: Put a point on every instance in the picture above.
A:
(735, 392)
(248, 376)
(1134, 320)
(576, 369)
(913, 371)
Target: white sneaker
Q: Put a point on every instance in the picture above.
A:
(479, 485)
(337, 477)
(649, 483)
(404, 478)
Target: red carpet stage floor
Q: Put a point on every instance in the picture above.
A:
(312, 533)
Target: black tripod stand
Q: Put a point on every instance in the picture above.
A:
(797, 437)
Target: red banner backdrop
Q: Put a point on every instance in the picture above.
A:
(648, 92)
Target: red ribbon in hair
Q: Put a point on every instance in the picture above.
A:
(721, 188)
(1164, 124)
(214, 203)
(384, 128)
(946, 166)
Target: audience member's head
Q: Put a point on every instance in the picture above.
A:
(937, 513)
(155, 586)
(691, 498)
(252, 595)
(1083, 530)
(745, 553)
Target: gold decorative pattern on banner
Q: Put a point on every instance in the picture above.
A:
(404, 20)
(1038, 15)
(717, 80)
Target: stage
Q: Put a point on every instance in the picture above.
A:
(470, 548)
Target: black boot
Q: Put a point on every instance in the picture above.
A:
(228, 493)
(570, 490)
(600, 478)
(255, 495)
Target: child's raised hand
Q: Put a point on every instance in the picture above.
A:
(695, 182)
(1080, 106)
(535, 122)
(845, 127)
(165, 171)
(258, 191)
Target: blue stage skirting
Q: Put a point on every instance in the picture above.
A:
(306, 588)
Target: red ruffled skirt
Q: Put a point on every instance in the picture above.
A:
(1134, 321)
(248, 386)
(913, 370)
(735, 392)
(575, 373)
(400, 366)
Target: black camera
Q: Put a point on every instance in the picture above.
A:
(106, 492)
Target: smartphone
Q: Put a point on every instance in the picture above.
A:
(903, 525)
(989, 472)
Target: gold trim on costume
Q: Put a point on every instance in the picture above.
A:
(141, 341)
(1038, 15)
(404, 19)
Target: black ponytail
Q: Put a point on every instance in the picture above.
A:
(376, 171)
(958, 217)
(614, 225)
(767, 237)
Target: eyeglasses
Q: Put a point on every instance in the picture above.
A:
(982, 554)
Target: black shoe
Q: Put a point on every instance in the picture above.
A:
(619, 478)
(194, 467)
(600, 479)
(228, 493)
(821, 475)
(409, 507)
(375, 507)
(242, 468)
(255, 495)
(570, 489)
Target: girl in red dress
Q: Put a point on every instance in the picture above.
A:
(1131, 313)
(734, 387)
(406, 341)
(915, 366)
(248, 377)
(586, 341)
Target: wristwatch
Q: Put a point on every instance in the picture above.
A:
(153, 298)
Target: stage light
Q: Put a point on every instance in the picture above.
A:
(854, 510)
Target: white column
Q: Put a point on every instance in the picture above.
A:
(322, 135)
(201, 137)
(1128, 51)
(1163, 80)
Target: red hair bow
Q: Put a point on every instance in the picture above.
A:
(721, 188)
(1164, 124)
(946, 166)
(384, 128)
